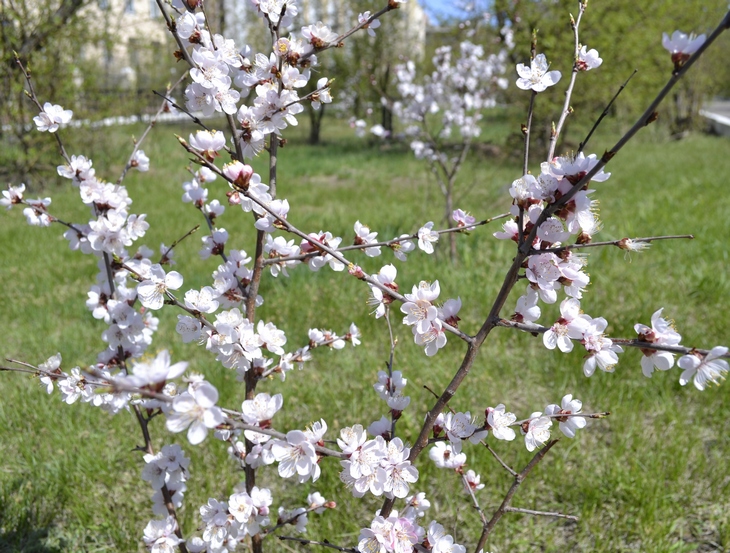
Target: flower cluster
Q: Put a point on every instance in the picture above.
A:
(377, 466)
(400, 533)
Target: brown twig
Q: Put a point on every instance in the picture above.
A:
(569, 91)
(489, 526)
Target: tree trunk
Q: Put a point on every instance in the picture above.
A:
(315, 120)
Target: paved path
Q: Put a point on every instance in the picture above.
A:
(719, 115)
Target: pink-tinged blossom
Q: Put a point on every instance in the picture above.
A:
(261, 409)
(562, 333)
(189, 328)
(202, 301)
(52, 117)
(536, 430)
(50, 365)
(403, 247)
(544, 271)
(473, 480)
(362, 19)
(427, 237)
(662, 333)
(36, 213)
(419, 308)
(510, 231)
(78, 170)
(318, 35)
(704, 370)
(208, 143)
(140, 161)
(195, 410)
(536, 77)
(463, 218)
(323, 94)
(433, 339)
(681, 46)
(156, 371)
(296, 456)
(160, 537)
(602, 352)
(73, 386)
(151, 292)
(13, 195)
(588, 59)
(445, 457)
(351, 438)
(499, 422)
(440, 541)
(527, 309)
(574, 168)
(398, 469)
(364, 236)
(416, 506)
(568, 406)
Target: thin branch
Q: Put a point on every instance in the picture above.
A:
(166, 255)
(489, 526)
(393, 343)
(178, 107)
(540, 513)
(153, 121)
(569, 92)
(474, 500)
(324, 543)
(505, 466)
(604, 113)
(526, 131)
(623, 243)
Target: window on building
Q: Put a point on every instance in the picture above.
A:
(104, 5)
(128, 6)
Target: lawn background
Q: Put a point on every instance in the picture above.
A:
(652, 477)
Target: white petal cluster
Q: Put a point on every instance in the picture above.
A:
(195, 410)
(52, 117)
(400, 533)
(536, 77)
(661, 333)
(375, 466)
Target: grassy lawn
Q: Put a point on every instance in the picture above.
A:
(652, 477)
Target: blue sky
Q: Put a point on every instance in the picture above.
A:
(439, 7)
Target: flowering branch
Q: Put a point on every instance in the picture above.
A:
(32, 95)
(628, 244)
(474, 499)
(385, 243)
(575, 23)
(285, 225)
(137, 143)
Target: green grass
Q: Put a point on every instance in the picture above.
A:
(652, 477)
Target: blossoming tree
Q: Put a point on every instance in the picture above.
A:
(551, 221)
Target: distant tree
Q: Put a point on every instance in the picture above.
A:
(619, 31)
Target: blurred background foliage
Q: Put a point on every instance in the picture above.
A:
(68, 44)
